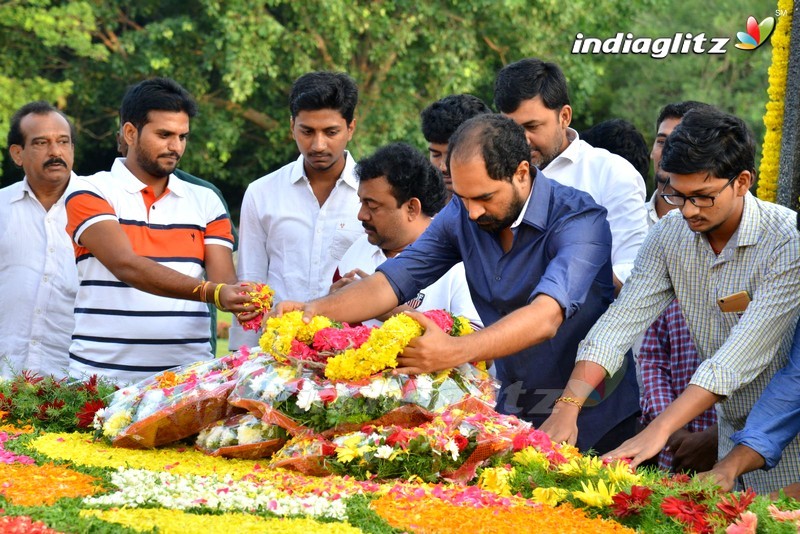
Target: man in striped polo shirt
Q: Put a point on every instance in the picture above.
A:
(143, 238)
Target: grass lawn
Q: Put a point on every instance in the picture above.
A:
(222, 344)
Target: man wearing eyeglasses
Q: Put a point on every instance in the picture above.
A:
(733, 262)
(667, 357)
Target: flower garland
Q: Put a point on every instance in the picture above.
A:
(773, 119)
(261, 297)
(349, 353)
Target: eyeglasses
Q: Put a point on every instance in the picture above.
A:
(701, 201)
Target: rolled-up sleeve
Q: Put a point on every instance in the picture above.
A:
(580, 248)
(646, 294)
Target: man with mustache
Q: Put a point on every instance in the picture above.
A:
(733, 263)
(297, 222)
(143, 239)
(400, 193)
(537, 262)
(38, 279)
(534, 94)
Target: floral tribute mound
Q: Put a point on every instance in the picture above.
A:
(314, 433)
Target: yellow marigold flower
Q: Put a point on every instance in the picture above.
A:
(598, 497)
(531, 457)
(306, 331)
(549, 496)
(497, 480)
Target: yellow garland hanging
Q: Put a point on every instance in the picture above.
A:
(773, 119)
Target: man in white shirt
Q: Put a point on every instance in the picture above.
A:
(297, 222)
(400, 192)
(534, 94)
(38, 278)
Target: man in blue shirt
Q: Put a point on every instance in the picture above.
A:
(537, 259)
(772, 424)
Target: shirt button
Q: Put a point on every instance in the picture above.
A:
(45, 279)
(38, 311)
(34, 342)
(497, 278)
(52, 249)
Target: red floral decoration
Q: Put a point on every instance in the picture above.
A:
(627, 504)
(693, 515)
(733, 505)
(42, 413)
(86, 414)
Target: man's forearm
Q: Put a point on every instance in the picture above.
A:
(519, 330)
(359, 301)
(742, 459)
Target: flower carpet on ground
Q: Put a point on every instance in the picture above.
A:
(267, 440)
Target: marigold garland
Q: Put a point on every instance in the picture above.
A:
(773, 119)
(177, 522)
(23, 484)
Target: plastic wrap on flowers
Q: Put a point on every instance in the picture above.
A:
(306, 454)
(171, 405)
(296, 398)
(241, 436)
(436, 392)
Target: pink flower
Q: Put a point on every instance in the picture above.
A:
(302, 351)
(334, 339)
(442, 319)
(783, 515)
(746, 524)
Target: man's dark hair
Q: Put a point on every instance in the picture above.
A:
(622, 138)
(409, 173)
(677, 110)
(712, 141)
(499, 140)
(39, 107)
(156, 94)
(324, 90)
(527, 79)
(442, 118)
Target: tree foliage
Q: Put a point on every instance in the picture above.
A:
(239, 58)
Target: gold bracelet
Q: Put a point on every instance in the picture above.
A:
(570, 400)
(216, 297)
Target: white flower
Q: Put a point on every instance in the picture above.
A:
(385, 452)
(151, 402)
(452, 448)
(307, 396)
(378, 387)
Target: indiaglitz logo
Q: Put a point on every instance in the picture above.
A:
(679, 43)
(757, 33)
